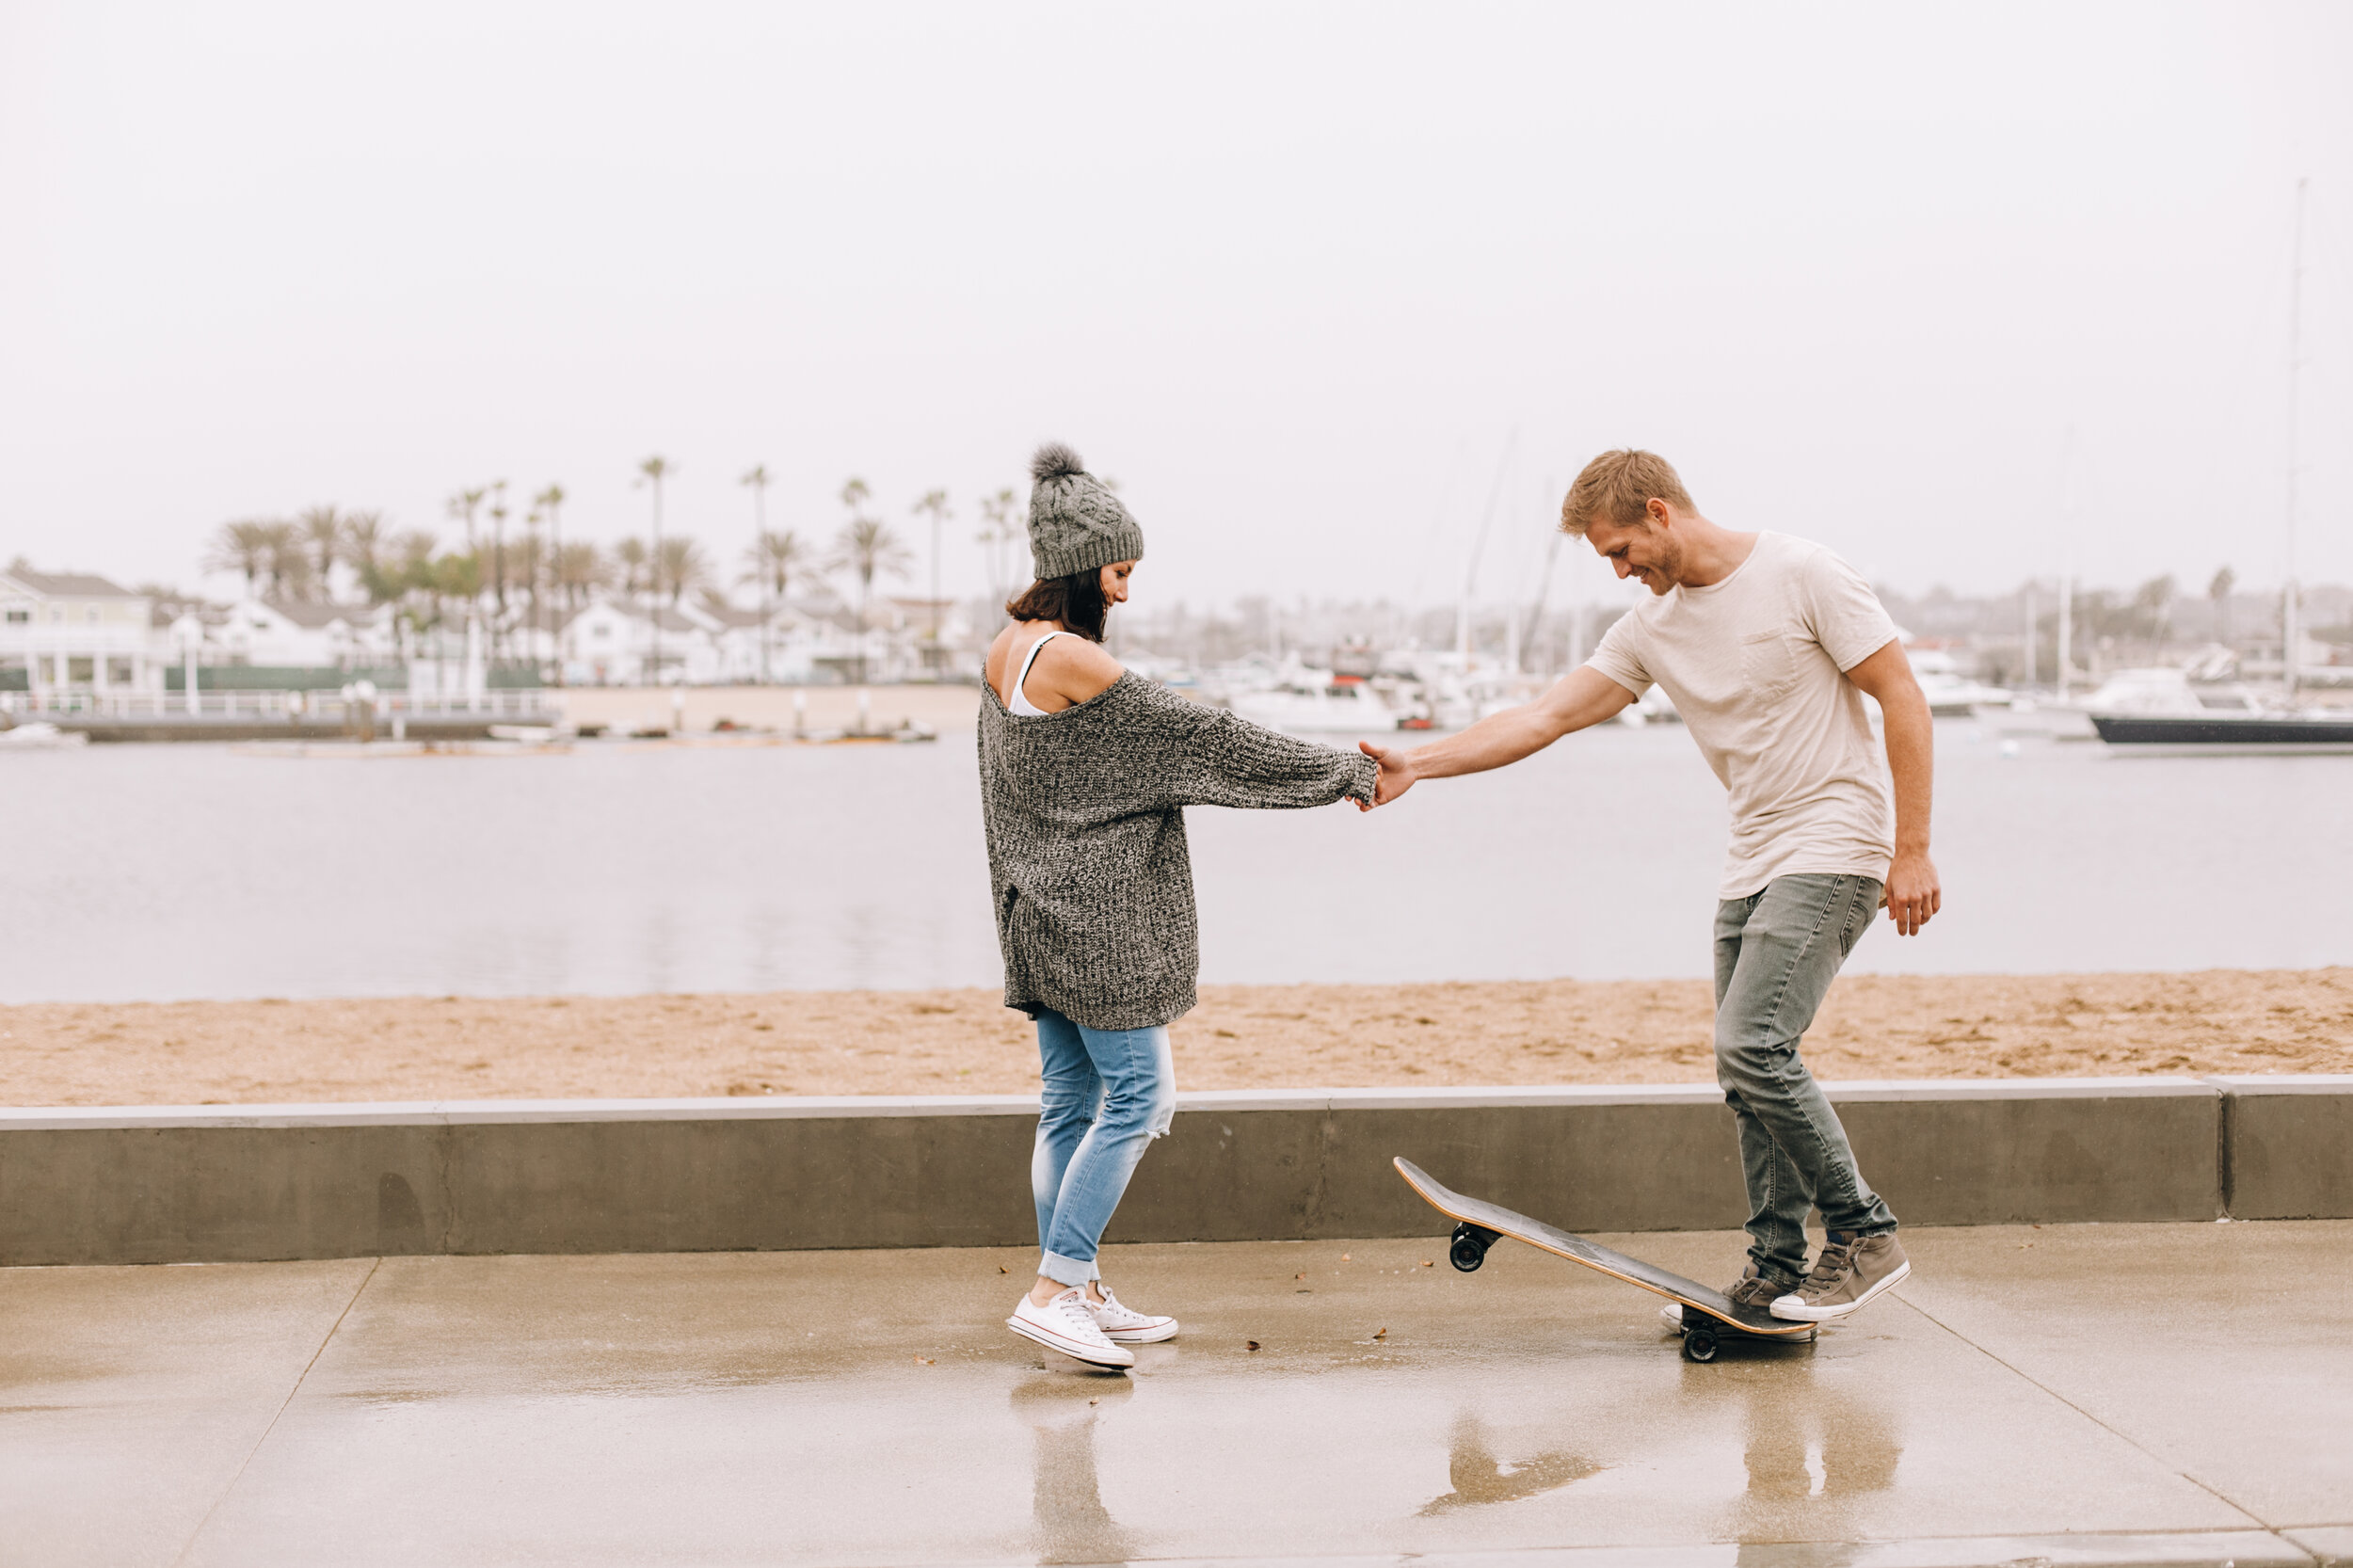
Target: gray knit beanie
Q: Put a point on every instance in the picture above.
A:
(1075, 524)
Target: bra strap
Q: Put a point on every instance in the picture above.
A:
(1023, 678)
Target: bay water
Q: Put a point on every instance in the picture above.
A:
(160, 872)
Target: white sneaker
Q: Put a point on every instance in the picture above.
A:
(1065, 1324)
(1122, 1325)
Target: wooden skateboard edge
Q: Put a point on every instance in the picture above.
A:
(1410, 1171)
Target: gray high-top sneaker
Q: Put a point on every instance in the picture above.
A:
(1748, 1291)
(1851, 1270)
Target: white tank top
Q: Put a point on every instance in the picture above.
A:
(1019, 703)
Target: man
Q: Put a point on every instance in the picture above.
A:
(1766, 644)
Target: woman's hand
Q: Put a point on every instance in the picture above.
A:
(1397, 773)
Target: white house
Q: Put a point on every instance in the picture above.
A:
(75, 631)
(913, 621)
(791, 649)
(609, 643)
(306, 636)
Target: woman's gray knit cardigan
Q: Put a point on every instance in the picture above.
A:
(1084, 812)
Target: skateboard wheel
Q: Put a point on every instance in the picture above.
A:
(1470, 1250)
(1699, 1345)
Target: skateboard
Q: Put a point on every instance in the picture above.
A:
(1709, 1320)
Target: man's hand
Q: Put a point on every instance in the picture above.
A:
(1397, 773)
(1912, 895)
(1581, 697)
(1913, 892)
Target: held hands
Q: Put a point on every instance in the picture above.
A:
(1912, 893)
(1397, 774)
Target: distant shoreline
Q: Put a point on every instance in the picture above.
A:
(1242, 1037)
(621, 709)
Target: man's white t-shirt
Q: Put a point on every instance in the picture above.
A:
(1756, 665)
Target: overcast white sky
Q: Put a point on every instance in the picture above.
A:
(1296, 275)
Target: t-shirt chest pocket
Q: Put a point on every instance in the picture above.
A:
(1769, 665)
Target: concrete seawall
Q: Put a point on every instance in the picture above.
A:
(116, 1185)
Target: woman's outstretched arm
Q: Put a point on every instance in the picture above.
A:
(1210, 757)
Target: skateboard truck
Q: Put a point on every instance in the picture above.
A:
(1468, 1249)
(1701, 1341)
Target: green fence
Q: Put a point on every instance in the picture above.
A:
(303, 677)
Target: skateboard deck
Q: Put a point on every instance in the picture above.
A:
(1478, 1222)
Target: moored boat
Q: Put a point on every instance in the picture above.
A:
(2267, 729)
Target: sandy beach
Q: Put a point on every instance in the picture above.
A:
(1242, 1037)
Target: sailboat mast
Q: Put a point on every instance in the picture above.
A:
(2066, 566)
(2291, 617)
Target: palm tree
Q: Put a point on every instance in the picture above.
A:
(461, 507)
(934, 504)
(631, 555)
(363, 550)
(412, 573)
(287, 563)
(771, 562)
(755, 477)
(245, 547)
(531, 554)
(578, 567)
(655, 470)
(680, 564)
(551, 501)
(997, 513)
(457, 577)
(498, 565)
(363, 543)
(321, 531)
(864, 547)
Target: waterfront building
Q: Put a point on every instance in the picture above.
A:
(287, 634)
(74, 632)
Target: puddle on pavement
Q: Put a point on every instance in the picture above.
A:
(1481, 1479)
(1068, 1521)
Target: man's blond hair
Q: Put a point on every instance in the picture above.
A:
(1618, 486)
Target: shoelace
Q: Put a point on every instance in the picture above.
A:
(1836, 1260)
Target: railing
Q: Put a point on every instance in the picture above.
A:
(324, 706)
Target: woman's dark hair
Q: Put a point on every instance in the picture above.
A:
(1076, 601)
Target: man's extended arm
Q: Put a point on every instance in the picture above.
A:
(1581, 697)
(1912, 893)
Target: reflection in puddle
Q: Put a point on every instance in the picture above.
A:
(1827, 1447)
(1813, 1454)
(1480, 1478)
(1066, 1502)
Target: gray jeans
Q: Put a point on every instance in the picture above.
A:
(1776, 952)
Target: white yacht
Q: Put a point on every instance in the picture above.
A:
(1318, 707)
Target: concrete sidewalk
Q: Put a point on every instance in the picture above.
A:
(2097, 1395)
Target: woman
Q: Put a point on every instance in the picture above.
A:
(1085, 773)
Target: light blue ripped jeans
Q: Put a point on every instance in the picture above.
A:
(1106, 1094)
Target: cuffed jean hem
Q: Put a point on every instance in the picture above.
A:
(1068, 1270)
